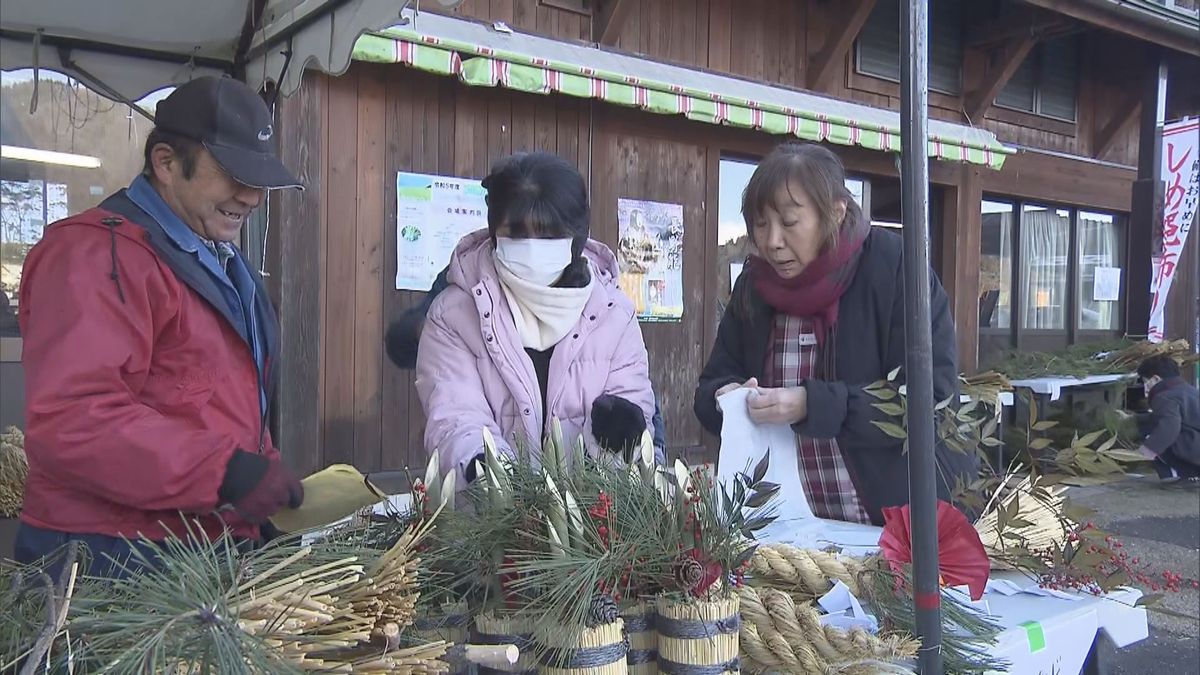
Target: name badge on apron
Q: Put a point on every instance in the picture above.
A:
(808, 340)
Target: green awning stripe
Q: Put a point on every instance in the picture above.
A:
(484, 66)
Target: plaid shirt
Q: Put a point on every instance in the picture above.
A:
(823, 472)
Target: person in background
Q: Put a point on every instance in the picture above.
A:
(817, 316)
(403, 340)
(1171, 430)
(150, 346)
(532, 327)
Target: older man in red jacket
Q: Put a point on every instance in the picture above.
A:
(151, 345)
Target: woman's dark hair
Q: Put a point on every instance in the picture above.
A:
(186, 149)
(814, 169)
(538, 195)
(1161, 366)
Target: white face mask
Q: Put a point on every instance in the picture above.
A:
(537, 261)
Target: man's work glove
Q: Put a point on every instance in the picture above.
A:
(617, 424)
(257, 487)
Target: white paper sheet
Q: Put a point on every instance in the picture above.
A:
(743, 444)
(1107, 287)
(843, 610)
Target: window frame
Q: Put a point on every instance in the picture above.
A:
(1037, 53)
(1016, 336)
(857, 66)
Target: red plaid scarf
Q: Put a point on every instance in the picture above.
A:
(790, 361)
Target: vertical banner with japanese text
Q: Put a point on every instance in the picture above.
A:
(1181, 174)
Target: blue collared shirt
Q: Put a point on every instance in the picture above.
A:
(234, 279)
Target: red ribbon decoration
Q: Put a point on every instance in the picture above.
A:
(961, 557)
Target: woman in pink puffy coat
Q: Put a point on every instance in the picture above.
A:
(533, 327)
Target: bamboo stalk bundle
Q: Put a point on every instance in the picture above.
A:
(642, 658)
(497, 629)
(807, 570)
(698, 636)
(599, 650)
(779, 635)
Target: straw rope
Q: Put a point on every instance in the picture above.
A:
(779, 635)
(809, 570)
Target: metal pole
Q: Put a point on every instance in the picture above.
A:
(914, 200)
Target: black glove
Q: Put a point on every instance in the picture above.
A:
(258, 487)
(617, 424)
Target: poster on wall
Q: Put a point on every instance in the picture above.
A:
(1181, 173)
(432, 214)
(650, 250)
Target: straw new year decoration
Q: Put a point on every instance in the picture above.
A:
(779, 635)
(643, 640)
(494, 629)
(697, 637)
(599, 650)
(808, 570)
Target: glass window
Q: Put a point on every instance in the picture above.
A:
(878, 52)
(1045, 265)
(1047, 81)
(74, 150)
(1101, 277)
(995, 266)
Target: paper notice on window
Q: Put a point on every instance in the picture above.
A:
(743, 444)
(1108, 284)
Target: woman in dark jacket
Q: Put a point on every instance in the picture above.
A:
(818, 317)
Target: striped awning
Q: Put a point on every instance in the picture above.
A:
(478, 55)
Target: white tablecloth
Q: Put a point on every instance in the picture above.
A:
(1053, 386)
(1043, 635)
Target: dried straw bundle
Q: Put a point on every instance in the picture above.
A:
(698, 636)
(594, 651)
(449, 622)
(807, 570)
(642, 658)
(781, 636)
(496, 629)
(1038, 520)
(14, 469)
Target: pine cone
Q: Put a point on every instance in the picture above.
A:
(688, 573)
(602, 611)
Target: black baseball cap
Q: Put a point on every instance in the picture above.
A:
(233, 124)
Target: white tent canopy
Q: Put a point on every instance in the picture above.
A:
(126, 49)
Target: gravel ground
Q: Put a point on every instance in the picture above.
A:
(1160, 523)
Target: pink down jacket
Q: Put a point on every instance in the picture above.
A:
(472, 370)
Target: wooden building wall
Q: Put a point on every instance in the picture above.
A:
(332, 256)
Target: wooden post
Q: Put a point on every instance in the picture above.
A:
(962, 216)
(1145, 220)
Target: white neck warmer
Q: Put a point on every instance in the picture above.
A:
(543, 314)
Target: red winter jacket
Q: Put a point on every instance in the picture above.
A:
(138, 387)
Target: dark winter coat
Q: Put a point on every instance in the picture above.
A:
(1174, 421)
(869, 344)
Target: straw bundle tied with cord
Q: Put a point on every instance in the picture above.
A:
(594, 651)
(643, 640)
(494, 629)
(698, 637)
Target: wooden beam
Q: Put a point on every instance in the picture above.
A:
(849, 18)
(1122, 116)
(607, 25)
(1003, 64)
(992, 34)
(1111, 19)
